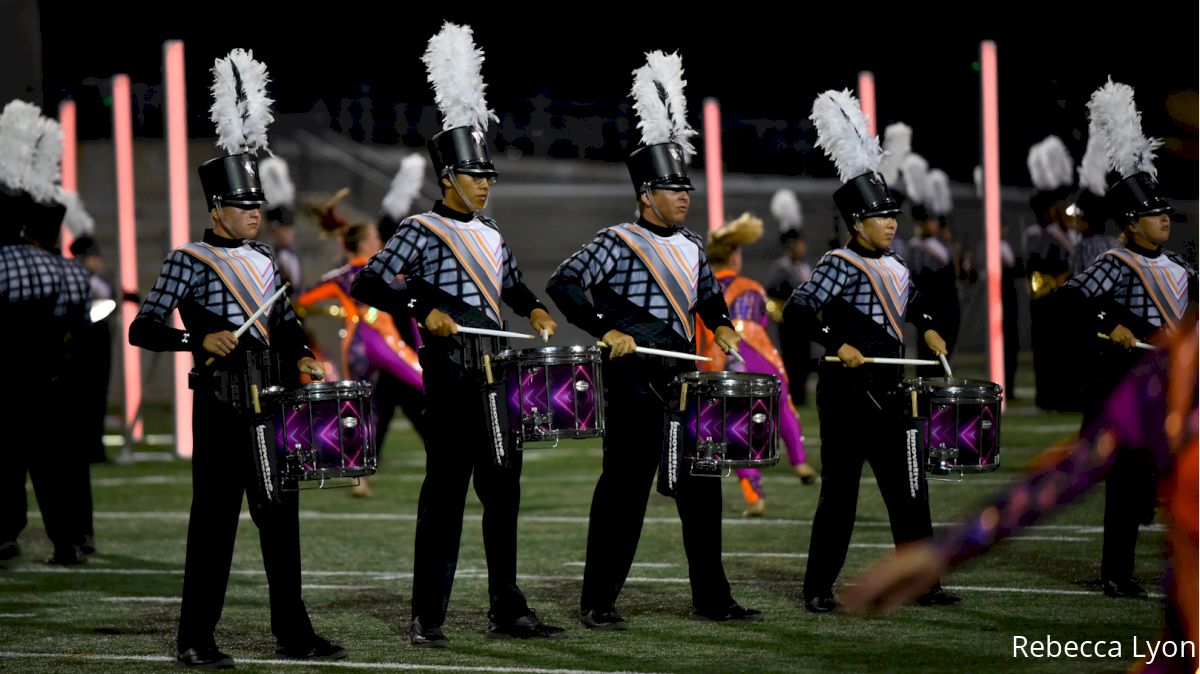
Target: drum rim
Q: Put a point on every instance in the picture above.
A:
(930, 384)
(734, 383)
(326, 390)
(550, 355)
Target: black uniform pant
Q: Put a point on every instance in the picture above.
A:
(635, 387)
(1129, 489)
(861, 421)
(390, 392)
(457, 448)
(222, 470)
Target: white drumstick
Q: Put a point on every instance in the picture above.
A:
(494, 333)
(545, 335)
(945, 365)
(887, 361)
(736, 356)
(1136, 345)
(663, 352)
(237, 334)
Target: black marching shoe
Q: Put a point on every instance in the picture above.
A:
(734, 612)
(821, 603)
(1123, 588)
(426, 637)
(938, 597)
(605, 620)
(525, 627)
(88, 546)
(204, 658)
(319, 648)
(68, 555)
(9, 549)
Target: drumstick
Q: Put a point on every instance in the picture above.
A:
(945, 365)
(887, 361)
(1137, 345)
(487, 368)
(493, 333)
(736, 356)
(253, 317)
(254, 398)
(663, 352)
(914, 402)
(545, 335)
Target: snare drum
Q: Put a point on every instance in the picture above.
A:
(553, 392)
(723, 420)
(961, 423)
(324, 430)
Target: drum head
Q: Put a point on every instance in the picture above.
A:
(730, 383)
(954, 388)
(333, 390)
(550, 355)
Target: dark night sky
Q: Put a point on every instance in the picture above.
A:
(760, 64)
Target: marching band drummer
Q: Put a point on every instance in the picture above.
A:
(855, 305)
(646, 280)
(217, 284)
(450, 267)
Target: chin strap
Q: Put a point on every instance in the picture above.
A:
(466, 202)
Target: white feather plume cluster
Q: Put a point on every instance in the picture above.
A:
(937, 198)
(897, 143)
(77, 220)
(455, 70)
(785, 206)
(1114, 118)
(31, 149)
(1050, 164)
(842, 132)
(241, 109)
(277, 182)
(1094, 167)
(660, 103)
(916, 178)
(406, 187)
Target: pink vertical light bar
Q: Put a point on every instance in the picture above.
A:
(991, 203)
(127, 248)
(66, 120)
(866, 97)
(177, 176)
(712, 163)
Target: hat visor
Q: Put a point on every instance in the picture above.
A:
(880, 213)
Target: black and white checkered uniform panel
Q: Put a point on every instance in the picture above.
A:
(75, 294)
(609, 260)
(28, 274)
(414, 251)
(835, 277)
(1087, 251)
(185, 278)
(1109, 277)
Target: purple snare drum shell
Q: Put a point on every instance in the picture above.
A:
(962, 428)
(553, 392)
(730, 418)
(325, 430)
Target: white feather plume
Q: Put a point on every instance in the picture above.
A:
(277, 182)
(43, 178)
(897, 143)
(916, 178)
(785, 206)
(1114, 117)
(77, 220)
(842, 132)
(406, 187)
(660, 103)
(977, 178)
(18, 136)
(455, 69)
(1094, 167)
(241, 109)
(1050, 164)
(938, 198)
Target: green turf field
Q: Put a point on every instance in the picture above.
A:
(119, 612)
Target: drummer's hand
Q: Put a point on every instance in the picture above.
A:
(935, 342)
(851, 357)
(621, 343)
(311, 367)
(727, 338)
(542, 322)
(220, 343)
(1121, 336)
(440, 324)
(895, 581)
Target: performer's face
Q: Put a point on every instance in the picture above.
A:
(474, 188)
(879, 232)
(672, 204)
(1157, 228)
(236, 222)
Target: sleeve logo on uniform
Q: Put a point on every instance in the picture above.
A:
(186, 335)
